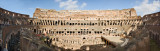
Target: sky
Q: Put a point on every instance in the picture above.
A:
(28, 6)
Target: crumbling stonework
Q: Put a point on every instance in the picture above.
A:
(72, 29)
(81, 14)
(8, 18)
(151, 22)
(21, 38)
(93, 30)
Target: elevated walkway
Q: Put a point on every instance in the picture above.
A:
(112, 40)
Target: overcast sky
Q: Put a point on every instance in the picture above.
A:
(28, 6)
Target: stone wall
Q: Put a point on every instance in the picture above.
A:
(12, 18)
(43, 13)
(68, 27)
(7, 19)
(152, 23)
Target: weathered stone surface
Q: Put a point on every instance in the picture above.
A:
(78, 30)
(72, 29)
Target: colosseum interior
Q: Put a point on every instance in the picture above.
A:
(75, 28)
(83, 30)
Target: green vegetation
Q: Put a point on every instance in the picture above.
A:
(154, 46)
(42, 38)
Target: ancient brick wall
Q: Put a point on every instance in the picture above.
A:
(79, 24)
(43, 13)
(12, 18)
(9, 18)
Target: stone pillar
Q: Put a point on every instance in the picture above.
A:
(87, 48)
(49, 22)
(109, 22)
(45, 22)
(42, 22)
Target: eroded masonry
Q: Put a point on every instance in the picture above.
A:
(10, 19)
(72, 29)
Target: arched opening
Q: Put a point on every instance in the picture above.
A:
(84, 38)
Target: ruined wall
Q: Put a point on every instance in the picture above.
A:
(125, 13)
(108, 24)
(22, 38)
(7, 19)
(140, 45)
(152, 19)
(82, 24)
(151, 23)
(12, 18)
